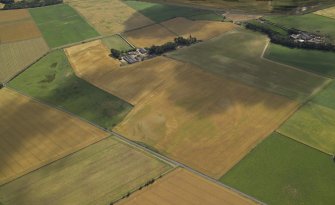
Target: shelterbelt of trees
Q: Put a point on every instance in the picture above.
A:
(11, 4)
(283, 38)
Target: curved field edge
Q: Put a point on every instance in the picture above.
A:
(53, 81)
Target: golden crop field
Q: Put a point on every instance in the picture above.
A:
(17, 25)
(98, 174)
(330, 12)
(203, 120)
(186, 188)
(202, 30)
(151, 35)
(131, 83)
(32, 135)
(14, 15)
(16, 56)
(110, 16)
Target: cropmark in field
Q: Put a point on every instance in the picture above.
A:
(183, 187)
(32, 135)
(238, 55)
(202, 120)
(110, 16)
(61, 25)
(98, 174)
(52, 80)
(151, 35)
(132, 82)
(291, 173)
(202, 30)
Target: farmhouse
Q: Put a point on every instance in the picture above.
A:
(135, 56)
(306, 37)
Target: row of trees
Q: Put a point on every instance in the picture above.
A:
(170, 46)
(287, 41)
(10, 4)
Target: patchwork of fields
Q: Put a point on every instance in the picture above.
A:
(61, 25)
(20, 42)
(291, 172)
(205, 121)
(52, 80)
(183, 187)
(33, 135)
(254, 115)
(99, 174)
(240, 59)
(110, 16)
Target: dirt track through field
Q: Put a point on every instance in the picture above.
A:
(32, 135)
(183, 187)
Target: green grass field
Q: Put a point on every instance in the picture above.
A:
(237, 55)
(98, 174)
(281, 171)
(162, 12)
(309, 22)
(61, 25)
(313, 125)
(326, 97)
(319, 62)
(116, 42)
(52, 80)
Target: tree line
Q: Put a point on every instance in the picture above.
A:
(170, 46)
(11, 4)
(285, 40)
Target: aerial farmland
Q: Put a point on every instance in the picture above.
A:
(154, 102)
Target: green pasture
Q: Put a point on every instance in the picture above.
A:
(281, 171)
(52, 80)
(61, 25)
(116, 42)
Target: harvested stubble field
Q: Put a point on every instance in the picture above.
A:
(205, 121)
(330, 12)
(319, 62)
(132, 82)
(162, 12)
(151, 35)
(98, 174)
(186, 188)
(312, 125)
(202, 30)
(61, 25)
(110, 16)
(281, 171)
(32, 135)
(237, 55)
(17, 25)
(52, 80)
(14, 57)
